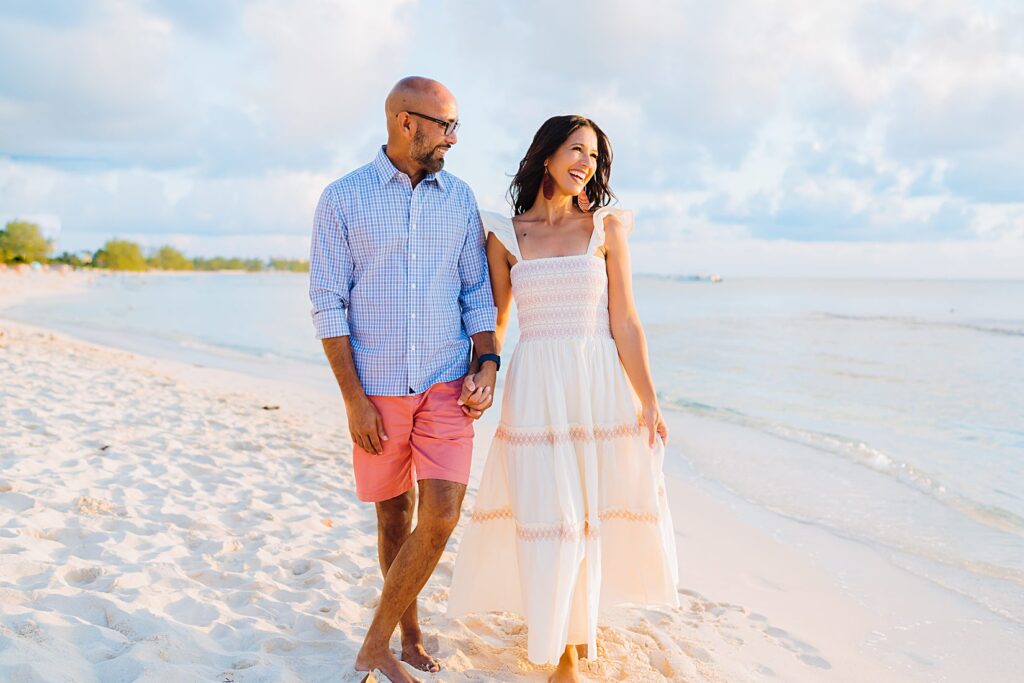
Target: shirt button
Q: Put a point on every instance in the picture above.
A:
(413, 285)
(413, 316)
(413, 226)
(412, 348)
(414, 257)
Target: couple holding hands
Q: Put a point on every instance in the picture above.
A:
(412, 289)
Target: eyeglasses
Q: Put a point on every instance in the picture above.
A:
(449, 126)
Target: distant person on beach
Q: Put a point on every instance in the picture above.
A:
(571, 516)
(402, 301)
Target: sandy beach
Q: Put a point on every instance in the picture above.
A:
(161, 521)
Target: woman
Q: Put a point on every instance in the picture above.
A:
(571, 513)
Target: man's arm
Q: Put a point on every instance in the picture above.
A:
(330, 269)
(364, 421)
(330, 283)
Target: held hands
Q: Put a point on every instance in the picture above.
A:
(650, 416)
(366, 426)
(478, 391)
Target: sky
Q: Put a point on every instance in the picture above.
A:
(751, 137)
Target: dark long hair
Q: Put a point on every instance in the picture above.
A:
(550, 136)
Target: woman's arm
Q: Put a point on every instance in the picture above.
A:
(475, 399)
(501, 285)
(626, 328)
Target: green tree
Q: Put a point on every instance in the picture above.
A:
(234, 263)
(294, 265)
(70, 259)
(120, 255)
(169, 258)
(23, 242)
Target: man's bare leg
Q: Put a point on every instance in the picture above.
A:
(394, 524)
(440, 504)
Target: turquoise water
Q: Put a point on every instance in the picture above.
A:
(907, 397)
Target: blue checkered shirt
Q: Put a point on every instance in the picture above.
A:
(403, 272)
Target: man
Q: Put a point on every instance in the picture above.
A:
(399, 287)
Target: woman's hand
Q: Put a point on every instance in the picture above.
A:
(650, 417)
(478, 392)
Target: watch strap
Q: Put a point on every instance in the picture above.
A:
(492, 357)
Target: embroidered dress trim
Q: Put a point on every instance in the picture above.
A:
(538, 437)
(565, 531)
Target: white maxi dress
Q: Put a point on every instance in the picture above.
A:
(571, 515)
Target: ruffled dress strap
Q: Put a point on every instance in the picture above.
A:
(625, 216)
(502, 228)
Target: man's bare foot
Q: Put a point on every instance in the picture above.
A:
(568, 670)
(415, 655)
(386, 662)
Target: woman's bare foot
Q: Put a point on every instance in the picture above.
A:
(568, 670)
(388, 665)
(414, 654)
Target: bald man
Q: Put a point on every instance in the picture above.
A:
(402, 302)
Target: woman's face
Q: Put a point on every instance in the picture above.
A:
(573, 164)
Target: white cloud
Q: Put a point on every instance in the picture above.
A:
(738, 120)
(129, 87)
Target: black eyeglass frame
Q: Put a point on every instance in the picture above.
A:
(449, 126)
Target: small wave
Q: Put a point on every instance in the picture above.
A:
(861, 453)
(240, 351)
(922, 322)
(223, 348)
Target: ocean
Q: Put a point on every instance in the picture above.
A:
(888, 412)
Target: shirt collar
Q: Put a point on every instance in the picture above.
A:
(386, 170)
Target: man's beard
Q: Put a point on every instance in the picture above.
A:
(425, 156)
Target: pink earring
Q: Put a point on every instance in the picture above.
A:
(583, 201)
(547, 185)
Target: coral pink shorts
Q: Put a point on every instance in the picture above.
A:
(429, 437)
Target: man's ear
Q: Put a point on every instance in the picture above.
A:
(405, 123)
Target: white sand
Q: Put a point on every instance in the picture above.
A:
(157, 524)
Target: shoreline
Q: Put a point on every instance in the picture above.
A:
(760, 593)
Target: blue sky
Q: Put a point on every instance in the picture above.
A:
(826, 137)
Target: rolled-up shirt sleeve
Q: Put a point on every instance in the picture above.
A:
(330, 269)
(478, 311)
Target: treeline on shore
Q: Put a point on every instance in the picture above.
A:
(23, 242)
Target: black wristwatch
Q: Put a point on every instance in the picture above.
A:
(490, 356)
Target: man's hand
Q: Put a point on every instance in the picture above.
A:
(478, 391)
(366, 426)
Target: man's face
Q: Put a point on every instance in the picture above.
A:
(429, 142)
(427, 149)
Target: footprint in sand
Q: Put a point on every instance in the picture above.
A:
(16, 502)
(659, 662)
(481, 629)
(29, 575)
(275, 645)
(82, 576)
(29, 629)
(189, 611)
(245, 663)
(805, 652)
(695, 652)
